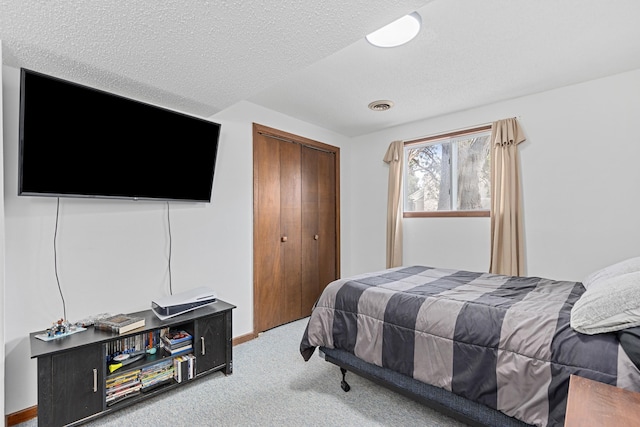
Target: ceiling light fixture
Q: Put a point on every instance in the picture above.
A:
(397, 33)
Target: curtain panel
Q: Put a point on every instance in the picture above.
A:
(394, 157)
(507, 248)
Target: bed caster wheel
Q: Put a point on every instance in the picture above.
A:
(343, 384)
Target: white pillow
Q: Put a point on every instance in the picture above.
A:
(610, 305)
(627, 266)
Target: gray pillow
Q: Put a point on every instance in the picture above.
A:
(627, 266)
(608, 305)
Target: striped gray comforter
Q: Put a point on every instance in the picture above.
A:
(502, 341)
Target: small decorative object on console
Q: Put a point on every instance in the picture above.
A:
(89, 321)
(60, 328)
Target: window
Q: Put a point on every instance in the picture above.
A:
(449, 174)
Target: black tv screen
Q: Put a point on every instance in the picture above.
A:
(77, 141)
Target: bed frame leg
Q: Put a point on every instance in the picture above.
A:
(343, 384)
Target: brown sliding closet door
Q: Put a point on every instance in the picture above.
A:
(296, 245)
(318, 224)
(290, 225)
(266, 228)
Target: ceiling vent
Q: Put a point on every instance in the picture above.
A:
(381, 105)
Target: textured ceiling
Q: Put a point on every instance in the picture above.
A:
(469, 53)
(198, 56)
(309, 59)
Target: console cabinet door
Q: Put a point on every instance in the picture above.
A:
(72, 385)
(213, 343)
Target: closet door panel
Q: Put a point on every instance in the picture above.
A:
(327, 230)
(310, 229)
(290, 225)
(267, 250)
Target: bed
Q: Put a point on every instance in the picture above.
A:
(487, 349)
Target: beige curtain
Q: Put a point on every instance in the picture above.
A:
(507, 247)
(394, 157)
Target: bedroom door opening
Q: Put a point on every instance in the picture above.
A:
(296, 228)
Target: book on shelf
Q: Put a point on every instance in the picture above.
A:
(155, 374)
(122, 395)
(122, 386)
(177, 342)
(176, 346)
(183, 367)
(176, 337)
(191, 364)
(120, 323)
(180, 350)
(180, 369)
(124, 378)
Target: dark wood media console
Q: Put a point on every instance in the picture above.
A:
(73, 372)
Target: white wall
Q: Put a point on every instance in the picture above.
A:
(112, 255)
(2, 314)
(580, 177)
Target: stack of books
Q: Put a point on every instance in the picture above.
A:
(184, 367)
(176, 343)
(122, 386)
(156, 374)
(120, 323)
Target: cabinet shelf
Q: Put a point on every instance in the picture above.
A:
(73, 370)
(149, 360)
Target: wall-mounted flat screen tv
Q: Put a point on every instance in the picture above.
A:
(77, 141)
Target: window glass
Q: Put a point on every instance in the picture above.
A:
(448, 174)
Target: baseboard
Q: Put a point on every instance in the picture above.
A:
(21, 416)
(244, 338)
(32, 412)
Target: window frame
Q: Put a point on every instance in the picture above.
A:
(449, 213)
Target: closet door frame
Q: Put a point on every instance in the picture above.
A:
(261, 130)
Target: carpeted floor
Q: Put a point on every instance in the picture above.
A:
(273, 386)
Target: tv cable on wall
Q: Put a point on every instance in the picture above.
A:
(170, 241)
(55, 260)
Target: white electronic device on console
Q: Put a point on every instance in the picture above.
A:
(182, 302)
